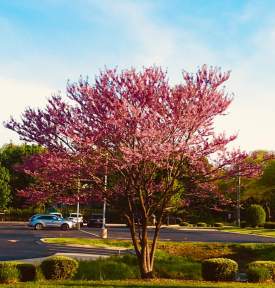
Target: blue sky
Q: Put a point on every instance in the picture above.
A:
(44, 43)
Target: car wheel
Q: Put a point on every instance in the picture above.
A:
(38, 226)
(65, 227)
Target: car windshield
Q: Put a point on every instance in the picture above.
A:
(75, 215)
(57, 214)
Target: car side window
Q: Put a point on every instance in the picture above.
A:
(45, 218)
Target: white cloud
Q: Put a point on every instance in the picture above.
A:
(15, 96)
(252, 112)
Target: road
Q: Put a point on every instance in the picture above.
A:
(20, 242)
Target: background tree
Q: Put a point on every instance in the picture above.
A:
(262, 190)
(5, 190)
(150, 133)
(11, 156)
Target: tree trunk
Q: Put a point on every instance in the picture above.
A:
(145, 261)
(145, 251)
(267, 210)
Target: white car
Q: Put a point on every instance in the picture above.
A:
(73, 217)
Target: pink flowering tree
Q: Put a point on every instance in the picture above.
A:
(136, 125)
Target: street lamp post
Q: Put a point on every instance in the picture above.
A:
(104, 231)
(238, 200)
(77, 205)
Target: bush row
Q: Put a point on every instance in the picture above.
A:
(266, 225)
(11, 272)
(53, 268)
(16, 214)
(201, 224)
(223, 269)
(118, 268)
(112, 268)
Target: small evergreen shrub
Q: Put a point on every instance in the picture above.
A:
(201, 224)
(218, 224)
(269, 225)
(27, 271)
(8, 272)
(258, 274)
(185, 224)
(243, 224)
(59, 267)
(255, 215)
(219, 269)
(270, 265)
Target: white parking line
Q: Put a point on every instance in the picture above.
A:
(90, 233)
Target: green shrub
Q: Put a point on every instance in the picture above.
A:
(270, 265)
(255, 215)
(59, 267)
(258, 274)
(27, 271)
(269, 225)
(106, 269)
(114, 270)
(201, 224)
(18, 214)
(128, 259)
(218, 224)
(8, 272)
(185, 224)
(219, 269)
(177, 267)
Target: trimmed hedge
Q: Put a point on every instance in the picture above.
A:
(9, 272)
(185, 224)
(59, 267)
(255, 215)
(219, 269)
(270, 265)
(201, 224)
(27, 271)
(218, 224)
(269, 225)
(258, 274)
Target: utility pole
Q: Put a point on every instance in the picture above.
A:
(239, 200)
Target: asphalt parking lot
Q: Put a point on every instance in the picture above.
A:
(17, 241)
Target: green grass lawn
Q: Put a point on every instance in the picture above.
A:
(248, 230)
(136, 284)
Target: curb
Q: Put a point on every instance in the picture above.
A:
(251, 234)
(78, 256)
